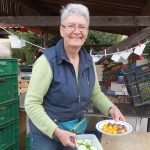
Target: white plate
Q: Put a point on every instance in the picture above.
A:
(100, 124)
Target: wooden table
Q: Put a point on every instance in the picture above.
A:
(128, 109)
(133, 141)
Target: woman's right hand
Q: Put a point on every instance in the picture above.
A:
(66, 138)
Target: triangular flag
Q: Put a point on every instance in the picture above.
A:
(139, 49)
(125, 54)
(96, 58)
(115, 57)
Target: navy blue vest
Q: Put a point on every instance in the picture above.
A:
(66, 99)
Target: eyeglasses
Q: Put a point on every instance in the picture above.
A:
(71, 28)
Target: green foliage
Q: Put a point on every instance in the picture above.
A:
(147, 50)
(53, 39)
(27, 53)
(96, 37)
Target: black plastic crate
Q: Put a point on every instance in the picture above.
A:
(137, 80)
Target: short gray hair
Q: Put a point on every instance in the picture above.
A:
(73, 8)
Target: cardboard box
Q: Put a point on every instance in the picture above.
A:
(99, 70)
(118, 87)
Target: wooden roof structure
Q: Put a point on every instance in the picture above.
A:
(105, 8)
(120, 16)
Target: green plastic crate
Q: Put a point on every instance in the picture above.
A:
(8, 88)
(9, 134)
(111, 74)
(8, 66)
(13, 147)
(27, 142)
(9, 111)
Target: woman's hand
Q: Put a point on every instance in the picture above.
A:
(66, 138)
(116, 114)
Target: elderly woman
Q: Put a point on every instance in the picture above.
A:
(62, 84)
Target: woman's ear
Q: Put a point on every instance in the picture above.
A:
(61, 31)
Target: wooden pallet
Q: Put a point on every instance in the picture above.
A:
(22, 86)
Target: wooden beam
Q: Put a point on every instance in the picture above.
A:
(120, 21)
(118, 30)
(146, 11)
(35, 6)
(96, 21)
(3, 32)
(32, 21)
(123, 3)
(130, 41)
(120, 8)
(13, 7)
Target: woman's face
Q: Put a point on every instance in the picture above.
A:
(74, 31)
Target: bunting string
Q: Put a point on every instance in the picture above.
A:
(115, 56)
(24, 39)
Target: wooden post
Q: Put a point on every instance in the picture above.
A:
(45, 37)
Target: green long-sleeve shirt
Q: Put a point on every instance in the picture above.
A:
(40, 81)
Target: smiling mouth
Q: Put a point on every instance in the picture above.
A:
(76, 38)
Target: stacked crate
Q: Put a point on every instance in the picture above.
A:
(9, 112)
(137, 80)
(27, 141)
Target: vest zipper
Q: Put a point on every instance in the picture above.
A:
(78, 87)
(77, 83)
(79, 98)
(87, 81)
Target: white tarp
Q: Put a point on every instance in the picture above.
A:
(5, 48)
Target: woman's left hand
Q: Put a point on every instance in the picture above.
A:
(116, 114)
